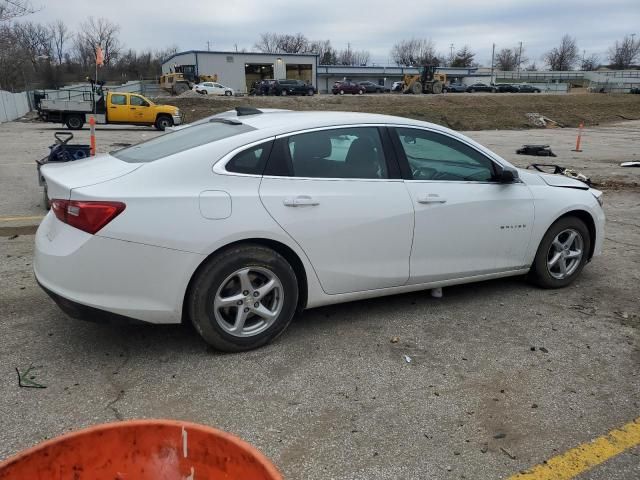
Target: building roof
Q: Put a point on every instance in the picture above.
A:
(240, 53)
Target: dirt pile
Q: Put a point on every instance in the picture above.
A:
(457, 111)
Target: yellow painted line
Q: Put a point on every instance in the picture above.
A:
(18, 219)
(586, 456)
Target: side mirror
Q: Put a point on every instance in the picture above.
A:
(508, 175)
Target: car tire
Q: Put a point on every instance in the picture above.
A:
(227, 93)
(555, 249)
(310, 92)
(283, 93)
(220, 279)
(163, 122)
(341, 92)
(74, 122)
(360, 92)
(204, 92)
(473, 90)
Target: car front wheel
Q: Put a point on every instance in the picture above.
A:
(562, 254)
(243, 298)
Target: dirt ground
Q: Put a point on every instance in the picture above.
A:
(460, 111)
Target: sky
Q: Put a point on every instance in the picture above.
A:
(373, 25)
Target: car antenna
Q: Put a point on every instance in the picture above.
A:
(241, 111)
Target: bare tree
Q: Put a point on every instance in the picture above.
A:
(507, 59)
(59, 36)
(563, 57)
(464, 57)
(625, 53)
(590, 63)
(35, 41)
(268, 43)
(326, 53)
(415, 51)
(353, 57)
(532, 67)
(98, 33)
(282, 43)
(10, 9)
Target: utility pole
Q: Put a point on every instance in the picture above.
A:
(493, 54)
(208, 46)
(451, 54)
(582, 64)
(519, 59)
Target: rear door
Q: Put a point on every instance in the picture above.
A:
(466, 222)
(339, 196)
(141, 109)
(118, 110)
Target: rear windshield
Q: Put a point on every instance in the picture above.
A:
(179, 141)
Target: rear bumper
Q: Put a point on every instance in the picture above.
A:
(92, 276)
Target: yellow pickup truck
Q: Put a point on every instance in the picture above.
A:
(75, 107)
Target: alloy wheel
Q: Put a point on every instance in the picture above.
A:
(248, 301)
(565, 254)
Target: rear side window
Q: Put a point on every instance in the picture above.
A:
(119, 99)
(179, 141)
(338, 153)
(251, 161)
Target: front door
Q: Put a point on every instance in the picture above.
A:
(119, 110)
(466, 223)
(334, 192)
(143, 113)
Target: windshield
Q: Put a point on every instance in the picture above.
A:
(179, 141)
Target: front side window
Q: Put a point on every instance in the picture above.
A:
(119, 99)
(339, 153)
(433, 156)
(138, 101)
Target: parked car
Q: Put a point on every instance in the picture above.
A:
(213, 88)
(262, 87)
(525, 88)
(505, 88)
(148, 232)
(397, 86)
(480, 87)
(292, 87)
(455, 88)
(347, 87)
(370, 87)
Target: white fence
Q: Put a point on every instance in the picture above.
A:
(13, 105)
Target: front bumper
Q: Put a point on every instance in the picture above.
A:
(177, 119)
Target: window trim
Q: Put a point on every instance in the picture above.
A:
(404, 162)
(220, 166)
(393, 169)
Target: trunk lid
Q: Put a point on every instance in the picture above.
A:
(62, 177)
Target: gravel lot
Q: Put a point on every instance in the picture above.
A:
(498, 369)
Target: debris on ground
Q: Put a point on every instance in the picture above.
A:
(436, 292)
(499, 435)
(407, 358)
(539, 120)
(536, 151)
(630, 164)
(13, 237)
(508, 453)
(26, 379)
(395, 339)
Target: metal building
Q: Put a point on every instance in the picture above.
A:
(240, 70)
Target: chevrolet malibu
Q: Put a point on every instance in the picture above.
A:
(242, 220)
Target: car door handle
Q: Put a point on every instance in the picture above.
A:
(300, 201)
(431, 198)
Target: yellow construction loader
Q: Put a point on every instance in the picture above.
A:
(427, 81)
(182, 78)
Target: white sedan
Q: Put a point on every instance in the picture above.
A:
(239, 222)
(213, 88)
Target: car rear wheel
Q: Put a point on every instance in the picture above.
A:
(283, 93)
(74, 122)
(310, 92)
(473, 90)
(243, 298)
(341, 92)
(360, 92)
(227, 93)
(562, 254)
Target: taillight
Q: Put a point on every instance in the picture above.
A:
(89, 216)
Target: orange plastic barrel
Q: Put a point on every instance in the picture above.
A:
(141, 450)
